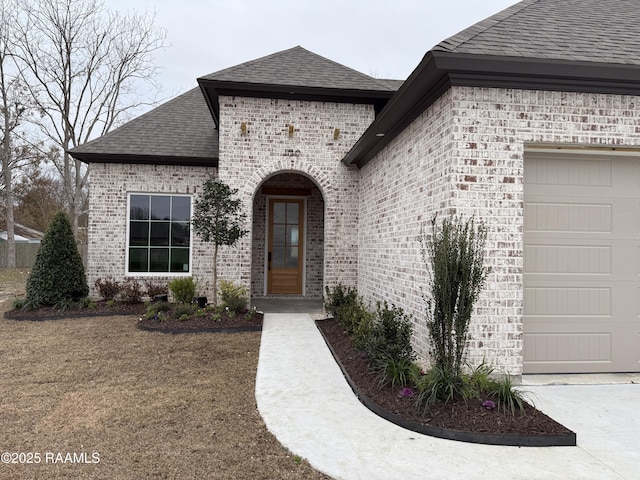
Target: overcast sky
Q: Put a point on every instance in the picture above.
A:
(383, 38)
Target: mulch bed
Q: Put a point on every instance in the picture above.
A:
(101, 309)
(226, 323)
(455, 416)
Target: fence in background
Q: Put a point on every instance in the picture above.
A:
(26, 254)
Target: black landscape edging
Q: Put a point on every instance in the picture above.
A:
(252, 328)
(514, 440)
(24, 317)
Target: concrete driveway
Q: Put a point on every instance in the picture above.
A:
(307, 404)
(605, 417)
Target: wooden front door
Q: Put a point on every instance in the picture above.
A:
(286, 246)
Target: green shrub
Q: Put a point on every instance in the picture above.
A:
(130, 291)
(339, 297)
(108, 288)
(354, 316)
(154, 309)
(454, 255)
(234, 296)
(57, 274)
(183, 289)
(390, 335)
(362, 325)
(183, 311)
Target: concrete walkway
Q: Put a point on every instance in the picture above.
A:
(307, 404)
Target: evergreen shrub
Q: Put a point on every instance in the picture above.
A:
(58, 274)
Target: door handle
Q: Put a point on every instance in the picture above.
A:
(269, 261)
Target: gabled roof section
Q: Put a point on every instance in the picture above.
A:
(296, 74)
(559, 45)
(178, 132)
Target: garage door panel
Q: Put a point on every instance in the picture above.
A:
(568, 259)
(569, 171)
(582, 351)
(583, 302)
(585, 347)
(582, 264)
(567, 217)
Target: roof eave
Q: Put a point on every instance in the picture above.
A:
(438, 71)
(89, 158)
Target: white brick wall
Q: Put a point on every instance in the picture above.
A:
(109, 185)
(267, 149)
(465, 154)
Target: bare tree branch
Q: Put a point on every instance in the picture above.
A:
(83, 65)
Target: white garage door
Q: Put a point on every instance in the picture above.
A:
(581, 264)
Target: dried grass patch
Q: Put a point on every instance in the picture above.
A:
(152, 405)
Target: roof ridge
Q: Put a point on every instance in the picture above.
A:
(248, 62)
(368, 77)
(230, 70)
(482, 26)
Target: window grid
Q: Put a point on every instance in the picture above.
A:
(159, 238)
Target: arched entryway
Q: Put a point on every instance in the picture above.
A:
(288, 237)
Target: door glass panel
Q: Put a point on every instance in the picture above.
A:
(292, 213)
(279, 235)
(279, 215)
(292, 235)
(277, 257)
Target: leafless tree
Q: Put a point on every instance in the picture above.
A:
(83, 65)
(15, 105)
(38, 197)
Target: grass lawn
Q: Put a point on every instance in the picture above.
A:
(149, 405)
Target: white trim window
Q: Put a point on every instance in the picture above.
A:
(159, 238)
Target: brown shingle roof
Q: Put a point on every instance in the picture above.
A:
(181, 128)
(296, 74)
(299, 67)
(559, 45)
(577, 30)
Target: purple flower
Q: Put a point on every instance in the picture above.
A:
(405, 392)
(489, 404)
